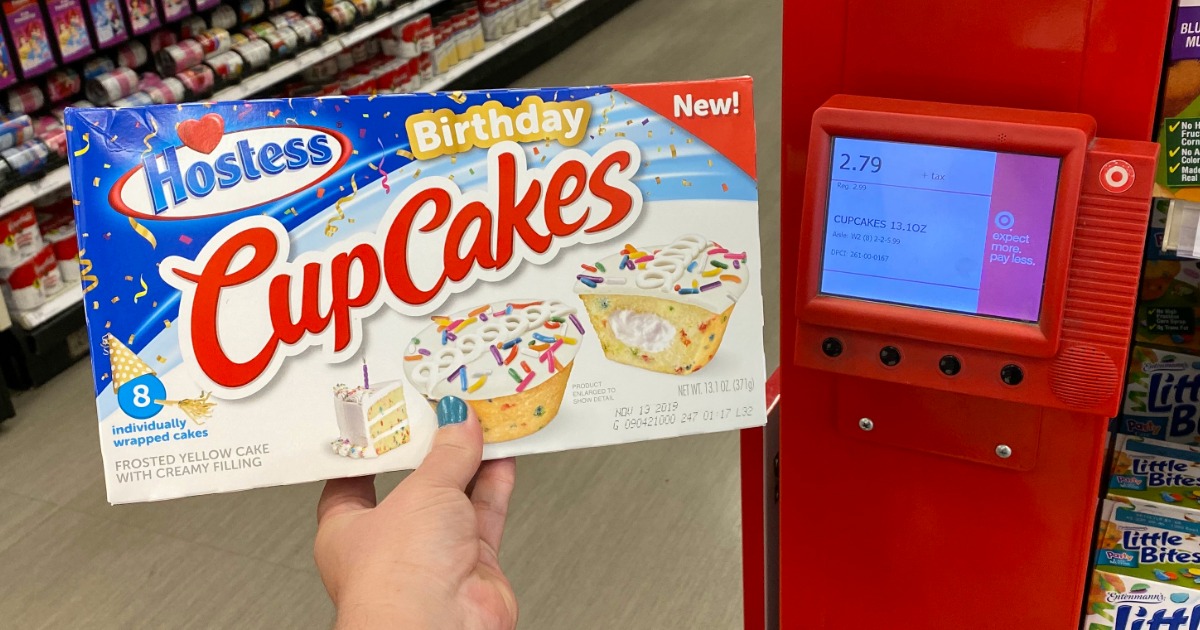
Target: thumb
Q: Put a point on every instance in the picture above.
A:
(457, 447)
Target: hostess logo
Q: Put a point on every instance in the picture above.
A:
(214, 172)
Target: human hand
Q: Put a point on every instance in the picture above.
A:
(427, 556)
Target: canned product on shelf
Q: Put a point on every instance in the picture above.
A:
(25, 98)
(304, 33)
(227, 67)
(424, 32)
(316, 25)
(258, 30)
(60, 111)
(489, 16)
(28, 158)
(275, 5)
(366, 8)
(478, 42)
(414, 75)
(179, 57)
(14, 130)
(426, 64)
(170, 90)
(133, 55)
(62, 84)
(191, 26)
(342, 14)
(256, 54)
(20, 238)
(96, 67)
(112, 85)
(290, 39)
(281, 45)
(321, 71)
(462, 36)
(198, 81)
(224, 17)
(215, 41)
(55, 139)
(161, 39)
(137, 99)
(251, 9)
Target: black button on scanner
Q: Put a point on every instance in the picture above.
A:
(889, 355)
(832, 347)
(950, 365)
(1012, 374)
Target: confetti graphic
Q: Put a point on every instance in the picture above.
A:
(143, 232)
(86, 145)
(330, 228)
(141, 294)
(90, 281)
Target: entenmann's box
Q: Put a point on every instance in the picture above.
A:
(280, 291)
(1162, 395)
(1147, 566)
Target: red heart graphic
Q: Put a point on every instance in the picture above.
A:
(202, 135)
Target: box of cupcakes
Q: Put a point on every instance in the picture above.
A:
(281, 291)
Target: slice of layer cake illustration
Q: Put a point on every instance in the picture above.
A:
(509, 361)
(664, 308)
(371, 420)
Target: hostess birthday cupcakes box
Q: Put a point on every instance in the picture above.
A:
(281, 291)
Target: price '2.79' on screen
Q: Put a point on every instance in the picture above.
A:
(870, 163)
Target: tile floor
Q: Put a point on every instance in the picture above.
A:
(638, 536)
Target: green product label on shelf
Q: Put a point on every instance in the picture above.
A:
(1183, 151)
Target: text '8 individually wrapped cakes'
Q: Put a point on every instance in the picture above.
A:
(282, 291)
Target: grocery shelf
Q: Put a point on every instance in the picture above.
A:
(256, 83)
(67, 298)
(26, 194)
(60, 177)
(498, 46)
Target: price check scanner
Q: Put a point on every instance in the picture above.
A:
(965, 298)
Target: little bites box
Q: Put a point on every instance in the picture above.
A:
(1152, 470)
(281, 291)
(1162, 396)
(1147, 567)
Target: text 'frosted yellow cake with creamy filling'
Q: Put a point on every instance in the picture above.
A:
(509, 361)
(664, 308)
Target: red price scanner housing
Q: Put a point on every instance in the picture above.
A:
(966, 288)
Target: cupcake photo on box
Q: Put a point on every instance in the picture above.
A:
(509, 361)
(663, 308)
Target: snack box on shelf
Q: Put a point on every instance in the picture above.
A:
(1162, 395)
(1156, 471)
(291, 286)
(1147, 566)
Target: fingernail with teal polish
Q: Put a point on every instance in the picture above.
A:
(451, 410)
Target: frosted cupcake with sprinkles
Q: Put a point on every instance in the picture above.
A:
(663, 308)
(509, 361)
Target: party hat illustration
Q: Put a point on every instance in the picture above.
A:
(124, 364)
(127, 366)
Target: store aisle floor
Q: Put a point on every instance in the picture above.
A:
(636, 536)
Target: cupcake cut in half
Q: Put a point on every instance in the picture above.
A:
(663, 308)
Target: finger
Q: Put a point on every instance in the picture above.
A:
(493, 488)
(346, 495)
(457, 447)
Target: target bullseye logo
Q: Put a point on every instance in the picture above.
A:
(1116, 176)
(1005, 220)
